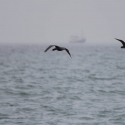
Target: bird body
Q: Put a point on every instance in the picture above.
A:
(58, 48)
(123, 43)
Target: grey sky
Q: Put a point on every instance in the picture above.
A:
(49, 21)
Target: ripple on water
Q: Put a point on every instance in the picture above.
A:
(97, 78)
(4, 116)
(39, 88)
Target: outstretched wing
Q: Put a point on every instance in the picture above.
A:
(68, 52)
(121, 41)
(49, 47)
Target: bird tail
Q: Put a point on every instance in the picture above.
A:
(54, 49)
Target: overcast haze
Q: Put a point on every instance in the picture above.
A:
(55, 21)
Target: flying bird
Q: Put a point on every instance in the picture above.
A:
(58, 48)
(121, 42)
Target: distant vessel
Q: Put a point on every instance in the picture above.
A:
(76, 39)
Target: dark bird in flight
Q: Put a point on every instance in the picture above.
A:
(58, 48)
(121, 42)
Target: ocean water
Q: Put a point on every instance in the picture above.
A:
(38, 88)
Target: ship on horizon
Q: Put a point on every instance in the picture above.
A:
(76, 39)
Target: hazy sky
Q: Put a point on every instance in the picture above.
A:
(49, 21)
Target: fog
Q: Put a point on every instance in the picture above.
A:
(55, 21)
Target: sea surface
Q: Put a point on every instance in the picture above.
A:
(51, 88)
